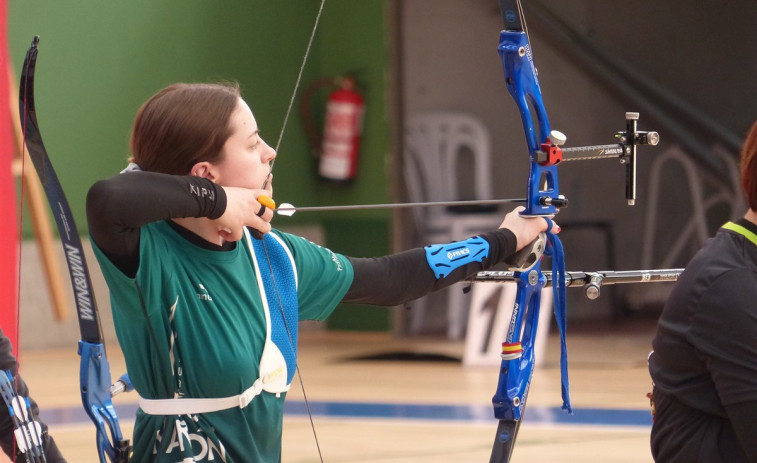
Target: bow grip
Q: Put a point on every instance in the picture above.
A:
(529, 256)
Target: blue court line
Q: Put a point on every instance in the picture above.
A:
(480, 413)
(369, 410)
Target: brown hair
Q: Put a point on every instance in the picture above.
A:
(749, 167)
(182, 125)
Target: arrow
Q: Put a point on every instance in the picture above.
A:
(289, 209)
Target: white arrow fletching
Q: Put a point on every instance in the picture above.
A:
(286, 209)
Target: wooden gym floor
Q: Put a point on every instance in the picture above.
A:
(402, 411)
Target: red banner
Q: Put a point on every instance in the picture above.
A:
(8, 211)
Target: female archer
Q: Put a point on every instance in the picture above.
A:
(704, 363)
(205, 313)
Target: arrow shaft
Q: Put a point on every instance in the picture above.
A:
(354, 207)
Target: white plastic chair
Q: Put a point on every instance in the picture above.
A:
(443, 153)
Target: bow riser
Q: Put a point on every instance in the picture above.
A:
(523, 84)
(94, 379)
(515, 374)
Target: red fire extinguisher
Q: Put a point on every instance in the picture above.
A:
(338, 149)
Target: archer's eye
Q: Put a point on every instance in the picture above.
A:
(255, 142)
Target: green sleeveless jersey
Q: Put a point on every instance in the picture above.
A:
(192, 324)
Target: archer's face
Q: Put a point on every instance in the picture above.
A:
(246, 157)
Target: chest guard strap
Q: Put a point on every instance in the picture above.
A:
(276, 277)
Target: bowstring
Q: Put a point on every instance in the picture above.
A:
(523, 22)
(22, 192)
(28, 455)
(292, 343)
(265, 249)
(296, 86)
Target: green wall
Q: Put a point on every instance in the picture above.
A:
(98, 62)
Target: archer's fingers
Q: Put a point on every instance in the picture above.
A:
(552, 227)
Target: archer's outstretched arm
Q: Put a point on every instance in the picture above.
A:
(403, 277)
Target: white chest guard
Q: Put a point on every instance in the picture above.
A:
(277, 281)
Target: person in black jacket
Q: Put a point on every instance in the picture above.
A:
(7, 438)
(704, 363)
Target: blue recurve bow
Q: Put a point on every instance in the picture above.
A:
(543, 200)
(94, 375)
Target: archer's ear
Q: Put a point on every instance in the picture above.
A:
(203, 169)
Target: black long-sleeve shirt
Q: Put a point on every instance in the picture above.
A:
(117, 207)
(704, 364)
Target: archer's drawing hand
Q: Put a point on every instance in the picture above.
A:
(244, 210)
(526, 229)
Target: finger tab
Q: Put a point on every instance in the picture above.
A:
(267, 202)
